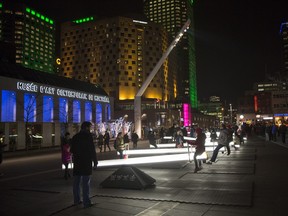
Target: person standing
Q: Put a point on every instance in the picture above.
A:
(274, 132)
(134, 138)
(106, 140)
(100, 140)
(126, 138)
(66, 154)
(2, 145)
(283, 130)
(152, 139)
(179, 139)
(120, 146)
(222, 142)
(83, 150)
(200, 148)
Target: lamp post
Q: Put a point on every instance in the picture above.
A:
(231, 113)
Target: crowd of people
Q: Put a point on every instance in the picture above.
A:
(81, 148)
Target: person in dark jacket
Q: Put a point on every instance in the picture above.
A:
(152, 139)
(134, 138)
(200, 148)
(2, 145)
(283, 130)
(106, 140)
(84, 154)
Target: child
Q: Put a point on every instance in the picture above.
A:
(66, 154)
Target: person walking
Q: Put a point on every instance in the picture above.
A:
(222, 142)
(83, 150)
(200, 148)
(66, 154)
(2, 146)
(134, 138)
(120, 146)
(106, 140)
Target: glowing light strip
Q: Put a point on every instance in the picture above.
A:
(157, 151)
(140, 160)
(138, 21)
(144, 160)
(86, 19)
(34, 13)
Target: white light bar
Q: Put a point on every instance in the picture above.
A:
(138, 21)
(156, 151)
(144, 160)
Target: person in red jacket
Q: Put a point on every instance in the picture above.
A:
(200, 148)
(66, 154)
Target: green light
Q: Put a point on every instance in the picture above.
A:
(1, 5)
(86, 19)
(39, 15)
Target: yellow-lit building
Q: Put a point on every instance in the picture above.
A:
(118, 53)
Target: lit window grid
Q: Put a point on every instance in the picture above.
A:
(69, 48)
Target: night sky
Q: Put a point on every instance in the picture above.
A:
(237, 42)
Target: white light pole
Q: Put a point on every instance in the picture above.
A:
(137, 99)
(231, 113)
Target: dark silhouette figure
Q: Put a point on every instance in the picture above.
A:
(84, 154)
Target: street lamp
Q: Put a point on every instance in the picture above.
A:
(231, 113)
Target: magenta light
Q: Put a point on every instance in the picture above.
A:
(186, 120)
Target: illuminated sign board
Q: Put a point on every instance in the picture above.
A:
(43, 89)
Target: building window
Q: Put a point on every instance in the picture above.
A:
(98, 113)
(29, 107)
(48, 109)
(63, 110)
(76, 112)
(8, 106)
(88, 111)
(108, 112)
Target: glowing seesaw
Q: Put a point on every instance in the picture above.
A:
(141, 160)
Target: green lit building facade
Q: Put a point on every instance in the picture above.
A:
(172, 14)
(30, 35)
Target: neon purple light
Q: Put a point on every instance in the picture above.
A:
(186, 120)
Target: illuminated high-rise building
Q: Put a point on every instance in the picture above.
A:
(172, 14)
(284, 35)
(30, 34)
(118, 53)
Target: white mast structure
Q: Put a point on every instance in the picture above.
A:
(137, 100)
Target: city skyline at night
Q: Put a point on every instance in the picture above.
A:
(237, 43)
